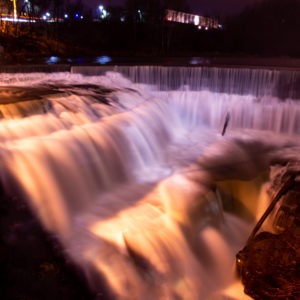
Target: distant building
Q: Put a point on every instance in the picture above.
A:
(200, 21)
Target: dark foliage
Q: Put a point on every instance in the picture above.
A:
(268, 28)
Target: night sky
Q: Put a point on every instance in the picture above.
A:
(210, 7)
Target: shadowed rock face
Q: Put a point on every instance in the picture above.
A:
(269, 264)
(9, 95)
(16, 102)
(32, 262)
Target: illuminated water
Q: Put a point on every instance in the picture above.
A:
(131, 177)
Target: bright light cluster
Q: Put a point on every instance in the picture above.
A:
(103, 12)
(9, 19)
(199, 21)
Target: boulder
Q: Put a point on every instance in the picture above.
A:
(269, 263)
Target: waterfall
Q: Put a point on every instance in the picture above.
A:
(242, 81)
(124, 170)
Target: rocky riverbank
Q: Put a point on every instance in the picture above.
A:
(269, 264)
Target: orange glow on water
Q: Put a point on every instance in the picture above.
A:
(133, 190)
(155, 246)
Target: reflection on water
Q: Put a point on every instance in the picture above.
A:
(52, 60)
(103, 60)
(133, 181)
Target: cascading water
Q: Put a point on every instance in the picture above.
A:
(129, 176)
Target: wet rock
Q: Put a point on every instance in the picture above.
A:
(269, 264)
(33, 265)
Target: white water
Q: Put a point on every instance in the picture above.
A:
(129, 189)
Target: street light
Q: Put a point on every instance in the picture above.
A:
(15, 9)
(103, 12)
(140, 15)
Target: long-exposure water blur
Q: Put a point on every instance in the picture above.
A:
(151, 178)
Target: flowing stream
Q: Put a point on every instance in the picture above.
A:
(129, 170)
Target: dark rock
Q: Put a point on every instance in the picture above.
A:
(269, 264)
(33, 265)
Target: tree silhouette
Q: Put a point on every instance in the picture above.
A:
(270, 28)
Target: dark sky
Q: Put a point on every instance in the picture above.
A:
(210, 7)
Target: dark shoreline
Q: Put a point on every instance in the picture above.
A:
(66, 64)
